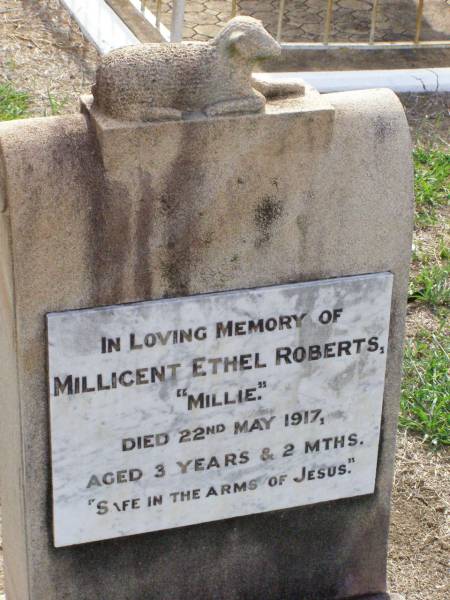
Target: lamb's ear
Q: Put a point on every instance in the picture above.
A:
(237, 41)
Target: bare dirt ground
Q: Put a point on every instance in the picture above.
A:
(43, 52)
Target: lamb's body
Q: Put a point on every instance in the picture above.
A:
(157, 81)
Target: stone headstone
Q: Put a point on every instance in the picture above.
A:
(203, 300)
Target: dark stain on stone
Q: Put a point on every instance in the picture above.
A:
(109, 212)
(383, 129)
(183, 240)
(300, 222)
(268, 211)
(208, 238)
(143, 281)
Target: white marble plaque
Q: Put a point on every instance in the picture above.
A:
(175, 412)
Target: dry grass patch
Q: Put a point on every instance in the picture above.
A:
(420, 537)
(419, 317)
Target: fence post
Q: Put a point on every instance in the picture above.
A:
(176, 28)
(419, 16)
(373, 21)
(158, 12)
(326, 33)
(280, 20)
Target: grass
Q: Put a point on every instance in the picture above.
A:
(425, 402)
(56, 105)
(13, 103)
(431, 285)
(432, 184)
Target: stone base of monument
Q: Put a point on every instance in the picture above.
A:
(372, 597)
(381, 597)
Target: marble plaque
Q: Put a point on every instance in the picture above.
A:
(175, 412)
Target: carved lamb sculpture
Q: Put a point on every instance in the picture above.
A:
(160, 81)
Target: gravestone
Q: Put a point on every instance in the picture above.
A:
(203, 300)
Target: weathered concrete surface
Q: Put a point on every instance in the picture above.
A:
(176, 208)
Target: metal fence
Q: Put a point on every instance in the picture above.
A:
(110, 23)
(328, 23)
(155, 7)
(152, 10)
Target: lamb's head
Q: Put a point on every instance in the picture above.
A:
(247, 38)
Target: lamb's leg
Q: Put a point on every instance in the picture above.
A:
(277, 89)
(253, 103)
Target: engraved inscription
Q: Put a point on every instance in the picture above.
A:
(176, 412)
